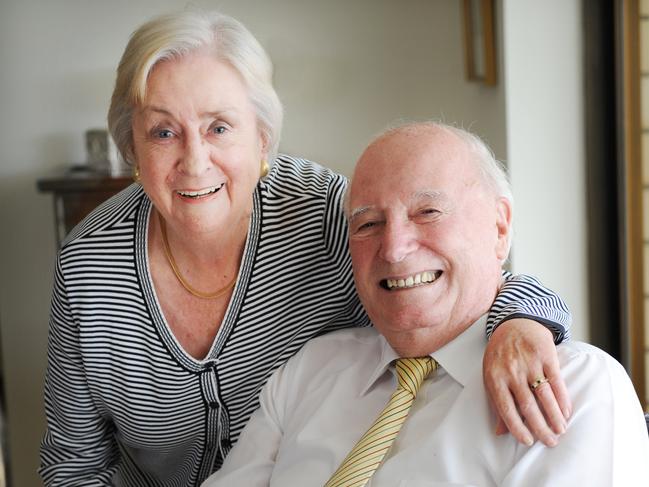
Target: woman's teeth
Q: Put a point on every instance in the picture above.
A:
(200, 193)
(412, 281)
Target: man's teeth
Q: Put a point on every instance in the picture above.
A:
(412, 281)
(199, 193)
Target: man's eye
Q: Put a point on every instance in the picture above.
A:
(428, 212)
(219, 129)
(426, 215)
(366, 227)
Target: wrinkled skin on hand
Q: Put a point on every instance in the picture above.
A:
(519, 352)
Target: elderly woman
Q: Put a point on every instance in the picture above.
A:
(175, 300)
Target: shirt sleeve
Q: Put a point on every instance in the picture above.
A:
(79, 448)
(525, 297)
(606, 442)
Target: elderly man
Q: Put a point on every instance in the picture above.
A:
(404, 403)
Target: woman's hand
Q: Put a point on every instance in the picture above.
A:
(519, 352)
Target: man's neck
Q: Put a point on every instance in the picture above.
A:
(425, 341)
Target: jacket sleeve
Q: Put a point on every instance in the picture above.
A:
(336, 239)
(525, 297)
(79, 447)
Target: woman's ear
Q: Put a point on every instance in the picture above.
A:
(264, 144)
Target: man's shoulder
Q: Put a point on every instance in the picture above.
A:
(337, 352)
(576, 350)
(582, 361)
(323, 362)
(341, 341)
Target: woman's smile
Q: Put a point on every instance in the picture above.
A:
(199, 193)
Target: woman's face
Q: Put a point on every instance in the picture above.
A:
(197, 145)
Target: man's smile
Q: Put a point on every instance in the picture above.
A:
(407, 282)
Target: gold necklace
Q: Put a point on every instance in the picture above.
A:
(181, 279)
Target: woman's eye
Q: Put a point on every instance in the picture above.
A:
(163, 134)
(219, 129)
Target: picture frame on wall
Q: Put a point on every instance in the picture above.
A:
(479, 41)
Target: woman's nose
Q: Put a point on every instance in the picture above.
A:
(195, 158)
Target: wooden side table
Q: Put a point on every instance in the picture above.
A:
(77, 193)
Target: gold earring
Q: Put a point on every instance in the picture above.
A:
(265, 168)
(136, 174)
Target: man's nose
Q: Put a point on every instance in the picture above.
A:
(399, 239)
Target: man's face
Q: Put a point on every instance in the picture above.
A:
(427, 238)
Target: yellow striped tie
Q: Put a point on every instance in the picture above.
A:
(367, 455)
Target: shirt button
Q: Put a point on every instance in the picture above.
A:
(213, 404)
(226, 443)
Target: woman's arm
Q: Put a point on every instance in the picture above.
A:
(524, 323)
(525, 297)
(79, 446)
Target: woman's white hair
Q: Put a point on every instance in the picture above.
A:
(175, 35)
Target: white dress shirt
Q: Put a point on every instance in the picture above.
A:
(315, 408)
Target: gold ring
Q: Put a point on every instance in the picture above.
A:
(538, 381)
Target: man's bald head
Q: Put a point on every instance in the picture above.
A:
(492, 170)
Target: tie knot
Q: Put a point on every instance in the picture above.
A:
(411, 372)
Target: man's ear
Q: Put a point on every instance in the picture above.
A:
(504, 227)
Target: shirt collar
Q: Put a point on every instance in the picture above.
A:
(459, 358)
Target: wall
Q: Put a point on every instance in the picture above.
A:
(545, 146)
(343, 69)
